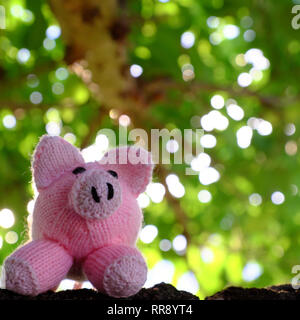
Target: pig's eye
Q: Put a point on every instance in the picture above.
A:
(78, 170)
(113, 173)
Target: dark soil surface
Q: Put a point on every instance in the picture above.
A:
(160, 291)
(165, 291)
(281, 292)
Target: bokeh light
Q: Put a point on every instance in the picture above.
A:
(23, 55)
(175, 187)
(66, 284)
(188, 282)
(165, 245)
(11, 237)
(148, 233)
(215, 38)
(172, 146)
(291, 148)
(277, 197)
(187, 72)
(61, 73)
(213, 22)
(179, 243)
(92, 153)
(143, 200)
(207, 255)
(235, 112)
(49, 44)
(53, 128)
(136, 70)
(36, 97)
(249, 35)
(53, 32)
(208, 141)
(163, 271)
(290, 129)
(252, 271)
(214, 120)
(58, 88)
(231, 31)
(204, 196)
(264, 128)
(70, 137)
(202, 161)
(208, 176)
(256, 57)
(244, 79)
(187, 39)
(244, 137)
(30, 206)
(32, 81)
(124, 120)
(156, 191)
(255, 199)
(9, 121)
(217, 101)
(7, 218)
(102, 142)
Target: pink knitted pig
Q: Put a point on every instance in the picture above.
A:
(86, 221)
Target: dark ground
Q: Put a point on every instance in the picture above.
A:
(165, 291)
(161, 291)
(281, 292)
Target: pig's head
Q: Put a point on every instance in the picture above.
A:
(93, 190)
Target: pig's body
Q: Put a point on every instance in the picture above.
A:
(86, 222)
(56, 220)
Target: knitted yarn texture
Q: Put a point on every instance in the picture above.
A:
(86, 221)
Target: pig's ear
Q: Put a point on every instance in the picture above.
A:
(52, 157)
(132, 165)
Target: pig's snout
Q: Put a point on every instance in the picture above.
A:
(110, 193)
(96, 194)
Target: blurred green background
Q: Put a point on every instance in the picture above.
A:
(71, 68)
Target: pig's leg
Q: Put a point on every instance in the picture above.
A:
(116, 270)
(36, 267)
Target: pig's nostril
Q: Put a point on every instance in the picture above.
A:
(95, 195)
(110, 193)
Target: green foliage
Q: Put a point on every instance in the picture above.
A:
(44, 94)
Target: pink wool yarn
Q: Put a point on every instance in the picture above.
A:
(86, 221)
